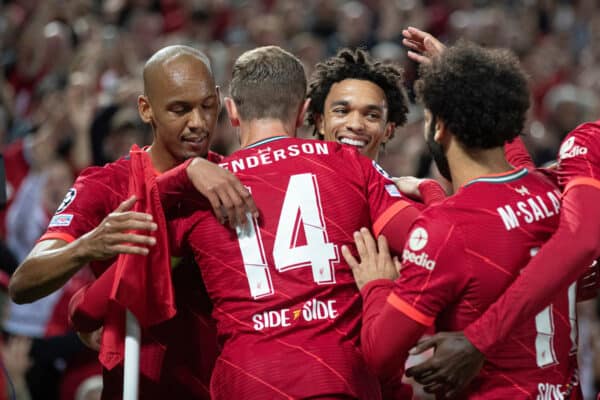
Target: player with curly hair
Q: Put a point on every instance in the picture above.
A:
(463, 252)
(357, 100)
(360, 101)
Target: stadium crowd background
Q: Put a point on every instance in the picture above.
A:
(70, 74)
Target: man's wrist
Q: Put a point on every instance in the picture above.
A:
(376, 284)
(474, 335)
(78, 249)
(189, 167)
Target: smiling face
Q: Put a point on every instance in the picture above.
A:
(356, 114)
(181, 104)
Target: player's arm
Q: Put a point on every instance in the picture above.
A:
(568, 254)
(228, 197)
(384, 349)
(517, 155)
(422, 291)
(429, 191)
(395, 223)
(392, 214)
(52, 262)
(88, 306)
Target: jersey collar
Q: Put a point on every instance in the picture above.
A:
(502, 177)
(265, 141)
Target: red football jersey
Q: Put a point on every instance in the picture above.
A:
(189, 338)
(97, 191)
(579, 156)
(460, 257)
(286, 304)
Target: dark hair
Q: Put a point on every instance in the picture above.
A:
(480, 94)
(357, 64)
(267, 82)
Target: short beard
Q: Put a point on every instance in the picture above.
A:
(437, 152)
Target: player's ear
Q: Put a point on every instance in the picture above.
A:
(319, 125)
(302, 113)
(232, 111)
(145, 109)
(440, 131)
(388, 133)
(218, 90)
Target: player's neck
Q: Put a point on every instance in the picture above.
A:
(468, 165)
(260, 129)
(161, 160)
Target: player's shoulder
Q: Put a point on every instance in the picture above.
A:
(581, 141)
(112, 180)
(433, 226)
(353, 158)
(111, 172)
(334, 152)
(546, 177)
(440, 215)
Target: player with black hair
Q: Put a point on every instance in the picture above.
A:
(360, 101)
(464, 93)
(357, 100)
(463, 252)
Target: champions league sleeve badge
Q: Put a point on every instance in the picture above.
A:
(382, 171)
(69, 197)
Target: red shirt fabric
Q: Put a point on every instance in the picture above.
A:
(574, 246)
(579, 157)
(286, 304)
(95, 194)
(459, 258)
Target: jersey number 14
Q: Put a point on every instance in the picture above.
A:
(301, 209)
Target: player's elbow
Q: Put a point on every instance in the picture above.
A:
(583, 242)
(380, 360)
(16, 290)
(384, 364)
(20, 288)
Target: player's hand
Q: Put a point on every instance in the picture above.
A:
(409, 186)
(229, 199)
(113, 235)
(91, 339)
(424, 46)
(375, 259)
(453, 365)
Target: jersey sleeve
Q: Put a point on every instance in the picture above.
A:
(179, 228)
(384, 349)
(579, 157)
(434, 270)
(84, 206)
(431, 191)
(516, 153)
(384, 198)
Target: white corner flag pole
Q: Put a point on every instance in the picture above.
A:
(131, 373)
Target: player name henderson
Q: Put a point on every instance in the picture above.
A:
(268, 156)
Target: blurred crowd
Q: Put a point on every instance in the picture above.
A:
(70, 74)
